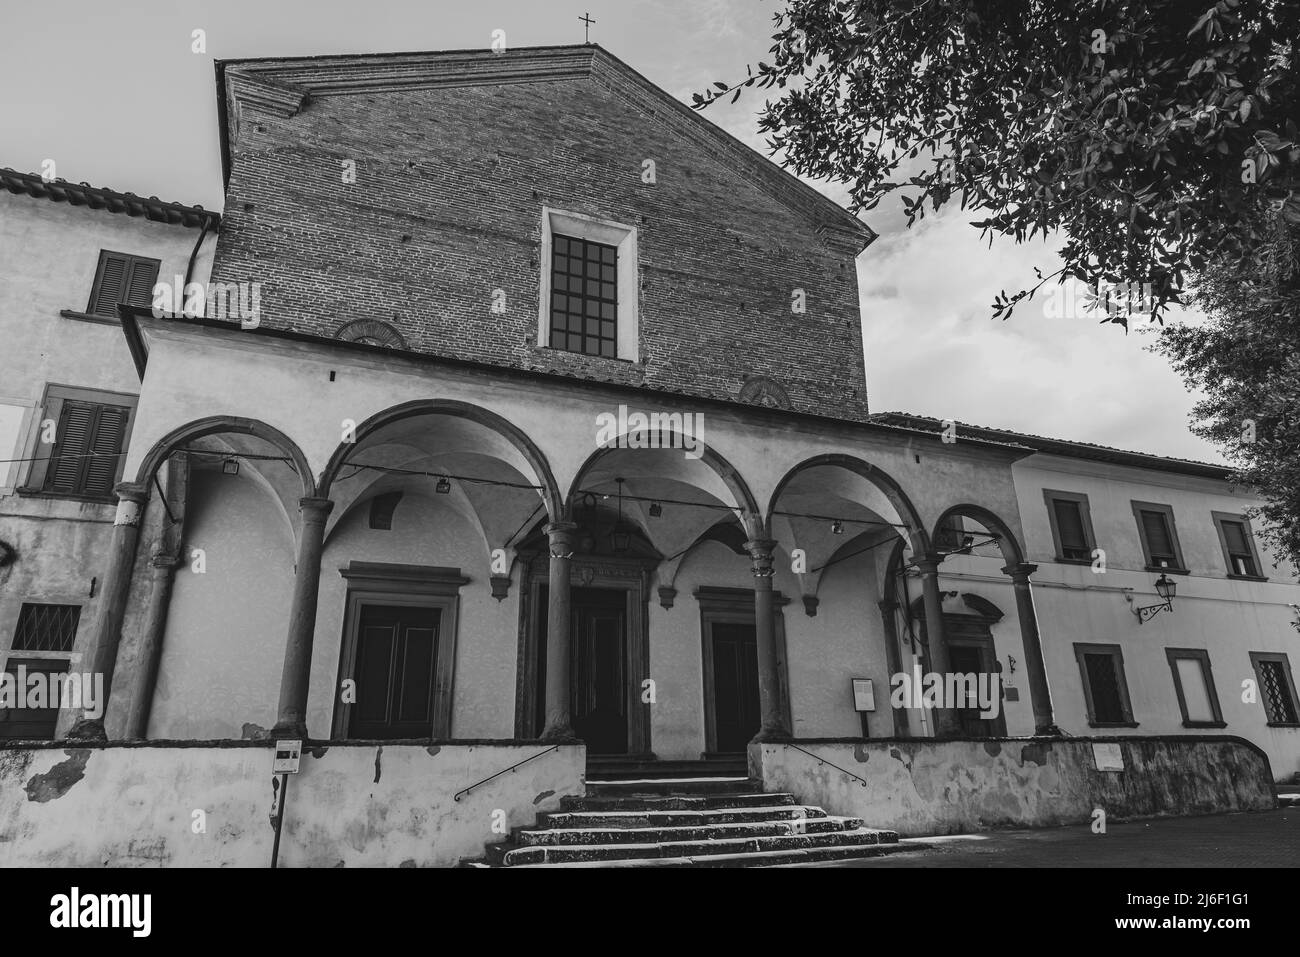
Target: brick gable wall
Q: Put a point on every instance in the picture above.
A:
(447, 206)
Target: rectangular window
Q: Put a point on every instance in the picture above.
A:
(44, 627)
(1276, 687)
(122, 278)
(590, 286)
(1238, 545)
(1159, 536)
(1194, 686)
(32, 724)
(91, 429)
(1104, 687)
(584, 296)
(1071, 525)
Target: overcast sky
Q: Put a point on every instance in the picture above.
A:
(111, 90)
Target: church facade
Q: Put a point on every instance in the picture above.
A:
(535, 410)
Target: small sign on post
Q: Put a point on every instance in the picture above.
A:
(864, 695)
(287, 756)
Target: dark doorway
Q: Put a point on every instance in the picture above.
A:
(976, 659)
(599, 686)
(735, 684)
(396, 657)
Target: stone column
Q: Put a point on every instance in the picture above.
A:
(893, 660)
(1040, 693)
(945, 719)
(559, 726)
(162, 571)
(291, 719)
(131, 498)
(775, 722)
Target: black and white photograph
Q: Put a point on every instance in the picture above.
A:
(783, 436)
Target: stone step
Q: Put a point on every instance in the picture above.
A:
(671, 787)
(552, 837)
(760, 859)
(675, 818)
(603, 801)
(621, 770)
(857, 838)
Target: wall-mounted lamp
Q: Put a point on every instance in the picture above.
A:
(1166, 588)
(230, 466)
(656, 510)
(443, 487)
(837, 527)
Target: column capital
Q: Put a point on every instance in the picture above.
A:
(136, 492)
(313, 507)
(559, 537)
(928, 564)
(1020, 572)
(760, 555)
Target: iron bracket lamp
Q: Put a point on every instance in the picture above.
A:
(1166, 588)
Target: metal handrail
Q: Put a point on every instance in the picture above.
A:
(821, 760)
(457, 795)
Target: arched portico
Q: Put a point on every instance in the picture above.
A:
(955, 542)
(220, 437)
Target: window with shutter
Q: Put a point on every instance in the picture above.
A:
(90, 438)
(1238, 547)
(1074, 543)
(1071, 525)
(122, 278)
(1159, 540)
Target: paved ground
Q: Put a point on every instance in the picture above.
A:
(1260, 839)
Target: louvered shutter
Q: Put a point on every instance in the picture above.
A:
(112, 284)
(87, 448)
(139, 288)
(1069, 525)
(106, 444)
(1157, 532)
(1235, 533)
(75, 428)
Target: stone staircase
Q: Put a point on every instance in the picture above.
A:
(646, 813)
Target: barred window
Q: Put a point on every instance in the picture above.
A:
(1105, 689)
(44, 627)
(1276, 688)
(584, 296)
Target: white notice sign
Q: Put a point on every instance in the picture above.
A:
(864, 695)
(287, 755)
(1108, 757)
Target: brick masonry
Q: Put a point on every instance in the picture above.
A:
(447, 206)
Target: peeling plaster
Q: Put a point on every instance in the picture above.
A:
(860, 754)
(379, 754)
(55, 782)
(433, 750)
(542, 797)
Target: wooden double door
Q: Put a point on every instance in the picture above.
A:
(395, 672)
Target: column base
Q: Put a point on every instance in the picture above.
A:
(560, 735)
(1048, 731)
(289, 730)
(773, 735)
(87, 729)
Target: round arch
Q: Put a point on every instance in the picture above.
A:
(1007, 543)
(217, 425)
(464, 410)
(920, 539)
(750, 518)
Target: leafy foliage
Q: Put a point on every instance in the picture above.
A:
(1246, 359)
(1152, 134)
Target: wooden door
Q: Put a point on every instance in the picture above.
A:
(735, 685)
(598, 618)
(396, 660)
